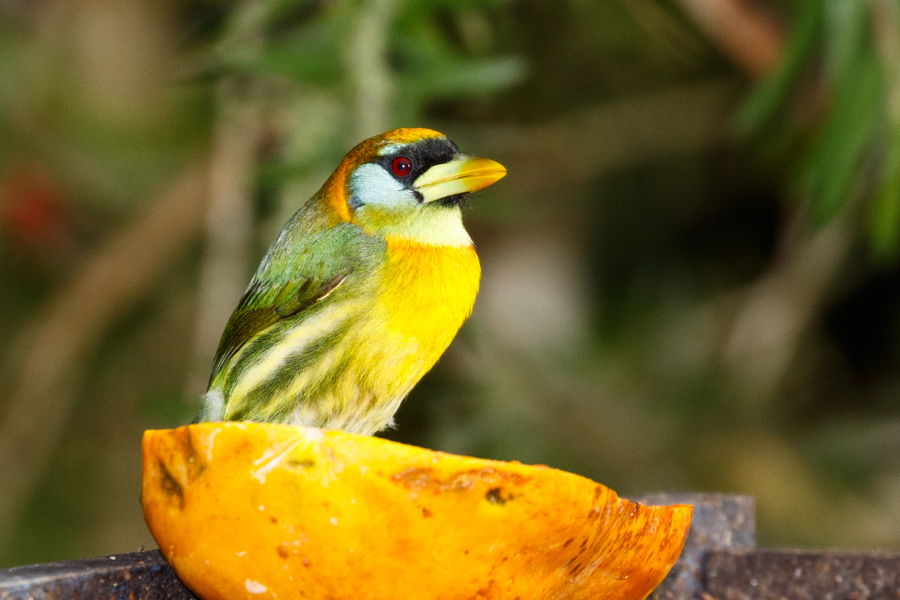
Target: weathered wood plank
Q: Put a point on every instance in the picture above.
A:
(801, 575)
(133, 576)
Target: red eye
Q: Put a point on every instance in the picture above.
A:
(401, 166)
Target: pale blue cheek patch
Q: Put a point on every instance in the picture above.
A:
(372, 185)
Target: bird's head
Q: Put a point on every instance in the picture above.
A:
(408, 183)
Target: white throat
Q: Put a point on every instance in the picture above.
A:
(431, 226)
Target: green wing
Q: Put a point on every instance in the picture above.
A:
(254, 315)
(299, 270)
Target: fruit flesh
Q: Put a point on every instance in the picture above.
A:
(243, 510)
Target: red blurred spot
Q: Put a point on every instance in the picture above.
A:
(34, 215)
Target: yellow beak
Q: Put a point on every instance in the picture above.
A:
(465, 174)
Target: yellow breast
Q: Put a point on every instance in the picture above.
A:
(427, 292)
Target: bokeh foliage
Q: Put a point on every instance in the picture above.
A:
(833, 107)
(690, 274)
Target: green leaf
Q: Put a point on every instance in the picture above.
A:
(311, 53)
(884, 216)
(846, 32)
(431, 69)
(832, 166)
(462, 78)
(769, 96)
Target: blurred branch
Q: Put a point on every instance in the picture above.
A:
(576, 149)
(51, 353)
(229, 228)
(368, 68)
(776, 310)
(741, 30)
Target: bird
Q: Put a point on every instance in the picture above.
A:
(360, 294)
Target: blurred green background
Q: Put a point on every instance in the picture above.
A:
(690, 274)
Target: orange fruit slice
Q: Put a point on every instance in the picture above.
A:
(251, 510)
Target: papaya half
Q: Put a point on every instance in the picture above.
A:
(250, 510)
